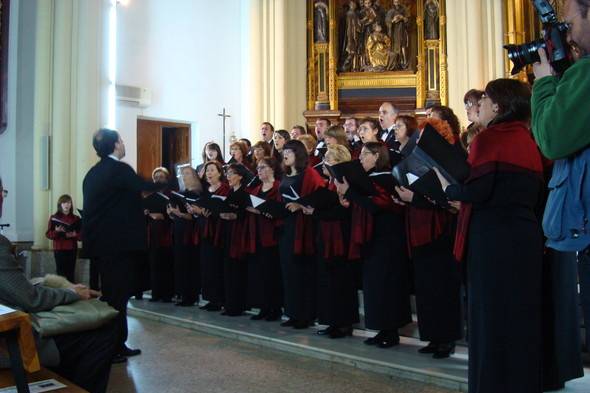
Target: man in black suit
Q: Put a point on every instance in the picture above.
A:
(387, 115)
(114, 224)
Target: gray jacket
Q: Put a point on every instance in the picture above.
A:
(17, 292)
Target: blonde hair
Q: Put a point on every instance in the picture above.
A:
(160, 169)
(308, 140)
(338, 153)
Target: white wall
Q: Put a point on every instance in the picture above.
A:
(16, 143)
(188, 52)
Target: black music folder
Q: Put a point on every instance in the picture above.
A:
(273, 208)
(355, 174)
(321, 198)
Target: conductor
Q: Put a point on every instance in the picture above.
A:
(114, 225)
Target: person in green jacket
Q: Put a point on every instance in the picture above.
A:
(561, 127)
(561, 116)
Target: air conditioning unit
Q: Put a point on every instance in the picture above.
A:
(139, 96)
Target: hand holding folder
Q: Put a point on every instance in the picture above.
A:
(355, 175)
(268, 208)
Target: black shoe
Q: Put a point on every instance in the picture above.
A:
(327, 331)
(128, 352)
(289, 322)
(389, 340)
(341, 332)
(430, 348)
(273, 316)
(184, 304)
(259, 316)
(375, 339)
(118, 358)
(444, 351)
(301, 325)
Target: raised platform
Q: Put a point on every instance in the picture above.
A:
(400, 361)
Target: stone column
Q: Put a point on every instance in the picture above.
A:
(474, 47)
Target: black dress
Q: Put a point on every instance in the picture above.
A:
(338, 304)
(298, 271)
(265, 286)
(504, 268)
(386, 280)
(186, 262)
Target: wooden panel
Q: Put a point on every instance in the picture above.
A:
(7, 380)
(20, 321)
(182, 142)
(149, 147)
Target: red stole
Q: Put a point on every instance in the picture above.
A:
(504, 147)
(303, 223)
(425, 225)
(260, 227)
(212, 227)
(332, 236)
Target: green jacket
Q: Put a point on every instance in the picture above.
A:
(561, 111)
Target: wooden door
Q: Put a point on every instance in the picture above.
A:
(149, 147)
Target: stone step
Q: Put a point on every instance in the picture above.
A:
(401, 361)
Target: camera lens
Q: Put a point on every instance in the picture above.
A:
(523, 55)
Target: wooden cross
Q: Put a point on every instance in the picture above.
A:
(224, 116)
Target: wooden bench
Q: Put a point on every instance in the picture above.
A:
(6, 380)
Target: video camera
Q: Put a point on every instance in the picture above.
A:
(554, 42)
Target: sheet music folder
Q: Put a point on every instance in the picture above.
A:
(355, 174)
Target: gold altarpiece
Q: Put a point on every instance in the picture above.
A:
(404, 64)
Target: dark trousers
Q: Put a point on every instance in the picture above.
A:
(65, 263)
(85, 357)
(584, 278)
(94, 275)
(115, 274)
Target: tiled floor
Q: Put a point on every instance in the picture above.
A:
(177, 360)
(401, 361)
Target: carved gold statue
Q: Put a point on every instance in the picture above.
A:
(396, 21)
(351, 46)
(378, 50)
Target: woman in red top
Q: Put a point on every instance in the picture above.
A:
(211, 239)
(265, 289)
(64, 229)
(297, 238)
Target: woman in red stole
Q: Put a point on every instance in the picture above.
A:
(160, 241)
(211, 240)
(338, 305)
(235, 266)
(437, 281)
(64, 229)
(186, 265)
(265, 289)
(296, 242)
(500, 236)
(378, 237)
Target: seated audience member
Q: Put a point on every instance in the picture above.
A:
(84, 357)
(64, 229)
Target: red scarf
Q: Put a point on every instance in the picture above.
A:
(303, 223)
(332, 235)
(261, 227)
(504, 147)
(212, 227)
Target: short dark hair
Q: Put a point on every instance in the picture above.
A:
(217, 165)
(301, 129)
(247, 142)
(242, 171)
(285, 134)
(104, 141)
(473, 96)
(301, 156)
(513, 98)
(272, 128)
(325, 119)
(381, 149)
(410, 122)
(449, 116)
(374, 125)
(584, 6)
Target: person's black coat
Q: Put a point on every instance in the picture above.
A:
(113, 218)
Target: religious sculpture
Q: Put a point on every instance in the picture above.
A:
(397, 27)
(431, 25)
(321, 21)
(378, 50)
(351, 43)
(368, 16)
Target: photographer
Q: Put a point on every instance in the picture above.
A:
(560, 126)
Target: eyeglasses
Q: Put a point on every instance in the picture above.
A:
(230, 173)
